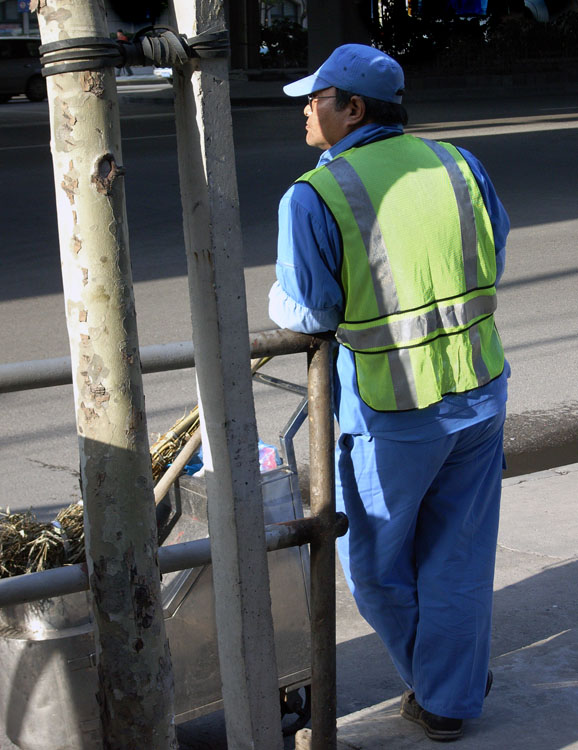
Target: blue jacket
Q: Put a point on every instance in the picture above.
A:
(307, 297)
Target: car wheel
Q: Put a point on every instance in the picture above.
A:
(36, 89)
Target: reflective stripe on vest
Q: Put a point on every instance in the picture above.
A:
(364, 213)
(415, 329)
(465, 211)
(433, 332)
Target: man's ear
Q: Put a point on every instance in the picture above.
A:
(356, 110)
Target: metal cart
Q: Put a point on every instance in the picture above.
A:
(49, 680)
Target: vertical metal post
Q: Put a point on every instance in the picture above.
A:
(220, 334)
(322, 551)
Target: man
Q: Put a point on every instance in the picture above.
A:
(396, 243)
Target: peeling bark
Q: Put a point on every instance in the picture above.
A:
(64, 125)
(105, 174)
(92, 81)
(70, 183)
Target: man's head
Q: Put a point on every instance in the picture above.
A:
(357, 84)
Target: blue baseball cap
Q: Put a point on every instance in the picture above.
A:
(356, 68)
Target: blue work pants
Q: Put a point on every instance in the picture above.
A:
(420, 552)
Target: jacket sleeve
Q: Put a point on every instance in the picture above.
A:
(307, 295)
(498, 216)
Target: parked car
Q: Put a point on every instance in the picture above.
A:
(20, 71)
(166, 73)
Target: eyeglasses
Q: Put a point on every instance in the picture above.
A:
(313, 98)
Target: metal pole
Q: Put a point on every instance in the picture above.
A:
(135, 692)
(71, 579)
(220, 334)
(322, 551)
(178, 355)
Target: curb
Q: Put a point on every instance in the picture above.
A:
(539, 475)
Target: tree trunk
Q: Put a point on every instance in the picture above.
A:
(133, 660)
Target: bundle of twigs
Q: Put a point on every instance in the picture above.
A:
(28, 545)
(167, 446)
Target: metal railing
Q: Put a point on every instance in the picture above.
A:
(319, 530)
(46, 373)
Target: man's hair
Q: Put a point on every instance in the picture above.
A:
(376, 110)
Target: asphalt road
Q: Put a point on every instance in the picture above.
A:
(528, 145)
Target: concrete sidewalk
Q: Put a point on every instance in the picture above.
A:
(533, 704)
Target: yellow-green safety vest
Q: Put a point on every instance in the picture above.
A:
(418, 271)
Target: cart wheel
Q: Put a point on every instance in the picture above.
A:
(295, 709)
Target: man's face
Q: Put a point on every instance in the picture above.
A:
(325, 124)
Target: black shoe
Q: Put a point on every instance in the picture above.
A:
(438, 728)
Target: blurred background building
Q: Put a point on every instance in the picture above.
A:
(276, 35)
